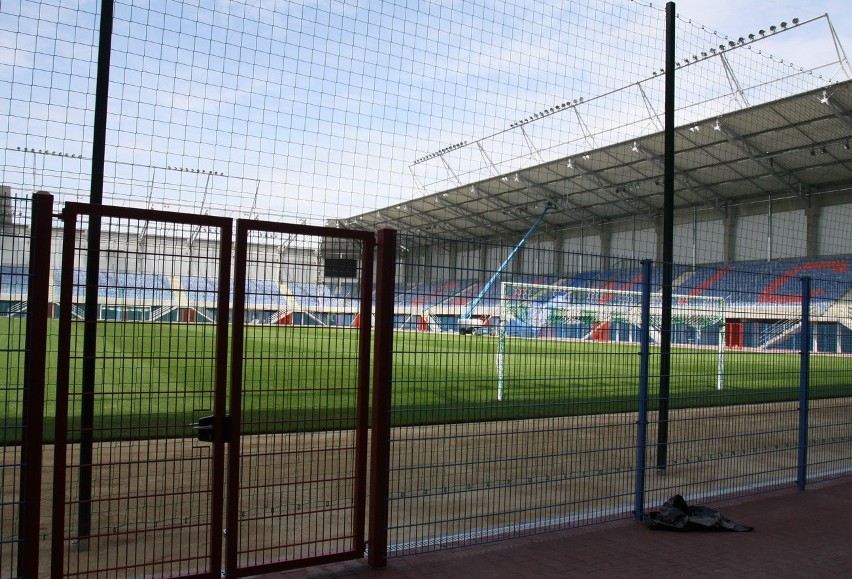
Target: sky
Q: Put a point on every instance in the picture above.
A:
(321, 109)
(741, 17)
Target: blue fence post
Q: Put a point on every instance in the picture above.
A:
(804, 373)
(642, 418)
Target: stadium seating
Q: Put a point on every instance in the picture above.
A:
(13, 280)
(742, 285)
(121, 286)
(317, 297)
(777, 282)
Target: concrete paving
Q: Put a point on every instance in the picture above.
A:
(797, 534)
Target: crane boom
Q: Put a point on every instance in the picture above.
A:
(467, 323)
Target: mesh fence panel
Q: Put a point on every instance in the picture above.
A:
(134, 484)
(302, 397)
(14, 279)
(554, 443)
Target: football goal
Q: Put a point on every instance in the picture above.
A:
(540, 311)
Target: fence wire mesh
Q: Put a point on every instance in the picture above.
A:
(14, 280)
(515, 404)
(522, 417)
(300, 396)
(134, 488)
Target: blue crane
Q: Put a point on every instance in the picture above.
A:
(467, 323)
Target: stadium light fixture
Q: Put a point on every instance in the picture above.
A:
(635, 147)
(586, 156)
(717, 126)
(569, 165)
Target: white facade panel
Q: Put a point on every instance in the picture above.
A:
(751, 237)
(835, 230)
(635, 244)
(584, 253)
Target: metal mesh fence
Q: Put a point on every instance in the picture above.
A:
(354, 108)
(530, 420)
(299, 392)
(515, 401)
(494, 441)
(830, 419)
(14, 278)
(740, 435)
(134, 490)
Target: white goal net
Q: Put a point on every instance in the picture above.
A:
(541, 311)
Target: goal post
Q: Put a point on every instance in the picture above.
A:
(529, 310)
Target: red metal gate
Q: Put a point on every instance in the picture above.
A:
(134, 493)
(164, 463)
(297, 458)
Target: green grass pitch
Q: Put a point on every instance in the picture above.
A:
(155, 380)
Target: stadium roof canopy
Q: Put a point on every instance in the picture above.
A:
(789, 148)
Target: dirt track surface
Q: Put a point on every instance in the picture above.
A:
(450, 484)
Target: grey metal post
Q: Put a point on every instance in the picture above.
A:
(642, 418)
(804, 383)
(381, 425)
(90, 316)
(668, 243)
(35, 370)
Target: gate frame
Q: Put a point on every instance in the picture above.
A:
(35, 372)
(70, 213)
(368, 239)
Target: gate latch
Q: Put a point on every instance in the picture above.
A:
(204, 426)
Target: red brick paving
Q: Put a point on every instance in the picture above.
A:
(797, 534)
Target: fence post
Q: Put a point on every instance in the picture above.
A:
(377, 543)
(642, 418)
(35, 364)
(804, 376)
